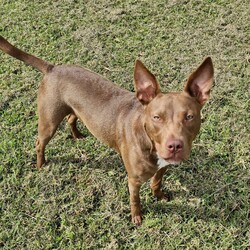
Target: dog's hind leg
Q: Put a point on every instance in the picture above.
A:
(50, 113)
(72, 119)
(46, 130)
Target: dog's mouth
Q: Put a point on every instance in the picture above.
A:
(174, 159)
(171, 157)
(162, 162)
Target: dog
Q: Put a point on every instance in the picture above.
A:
(149, 129)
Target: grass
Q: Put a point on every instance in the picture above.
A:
(80, 198)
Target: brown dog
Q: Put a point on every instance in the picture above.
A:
(150, 129)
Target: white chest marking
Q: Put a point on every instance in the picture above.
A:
(161, 163)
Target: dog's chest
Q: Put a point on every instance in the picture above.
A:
(161, 163)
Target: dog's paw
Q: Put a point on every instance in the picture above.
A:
(167, 196)
(79, 136)
(137, 220)
(163, 196)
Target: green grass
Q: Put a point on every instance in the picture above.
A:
(80, 198)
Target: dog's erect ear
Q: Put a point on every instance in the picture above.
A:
(146, 84)
(200, 81)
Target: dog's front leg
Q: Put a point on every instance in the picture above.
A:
(134, 188)
(155, 185)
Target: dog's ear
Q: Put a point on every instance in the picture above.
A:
(145, 82)
(200, 81)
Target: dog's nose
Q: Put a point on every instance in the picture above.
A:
(174, 146)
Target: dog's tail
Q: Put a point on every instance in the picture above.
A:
(37, 63)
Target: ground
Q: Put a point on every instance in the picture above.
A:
(79, 200)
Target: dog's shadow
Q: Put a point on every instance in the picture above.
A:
(200, 193)
(110, 160)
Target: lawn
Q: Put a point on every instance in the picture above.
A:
(80, 200)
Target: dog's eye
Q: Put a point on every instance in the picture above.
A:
(156, 118)
(189, 117)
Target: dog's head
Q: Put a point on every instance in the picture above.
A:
(172, 120)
